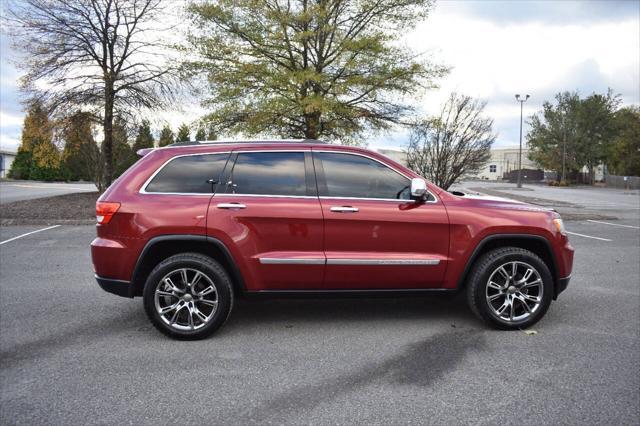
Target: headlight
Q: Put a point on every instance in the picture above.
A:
(557, 222)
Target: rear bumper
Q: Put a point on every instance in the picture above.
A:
(562, 285)
(119, 287)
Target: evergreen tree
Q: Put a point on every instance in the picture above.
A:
(124, 156)
(184, 135)
(211, 134)
(201, 134)
(81, 155)
(144, 138)
(166, 136)
(38, 158)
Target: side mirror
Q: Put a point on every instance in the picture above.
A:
(418, 188)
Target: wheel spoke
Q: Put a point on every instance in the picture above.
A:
(504, 273)
(196, 279)
(535, 283)
(206, 291)
(524, 303)
(527, 275)
(513, 309)
(183, 275)
(496, 296)
(530, 298)
(169, 308)
(171, 285)
(514, 269)
(208, 302)
(175, 315)
(503, 307)
(191, 318)
(200, 315)
(165, 293)
(495, 286)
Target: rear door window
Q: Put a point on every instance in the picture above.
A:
(189, 174)
(268, 173)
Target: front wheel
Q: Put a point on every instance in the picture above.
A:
(188, 296)
(510, 288)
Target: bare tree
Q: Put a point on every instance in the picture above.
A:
(455, 143)
(97, 55)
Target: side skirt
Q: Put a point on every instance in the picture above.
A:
(337, 294)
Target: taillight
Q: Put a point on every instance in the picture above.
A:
(105, 211)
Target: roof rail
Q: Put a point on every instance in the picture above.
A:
(251, 141)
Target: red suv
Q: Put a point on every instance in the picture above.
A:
(190, 227)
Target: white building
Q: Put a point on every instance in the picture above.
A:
(504, 160)
(6, 159)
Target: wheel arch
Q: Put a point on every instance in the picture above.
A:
(159, 248)
(536, 244)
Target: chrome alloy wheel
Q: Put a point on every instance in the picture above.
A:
(186, 299)
(514, 291)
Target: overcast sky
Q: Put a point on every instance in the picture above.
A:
(495, 48)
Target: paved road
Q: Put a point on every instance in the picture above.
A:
(72, 354)
(27, 190)
(625, 203)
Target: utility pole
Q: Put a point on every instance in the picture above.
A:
(522, 101)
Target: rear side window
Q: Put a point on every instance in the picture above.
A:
(268, 173)
(354, 176)
(189, 174)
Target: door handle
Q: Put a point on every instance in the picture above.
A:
(231, 206)
(344, 209)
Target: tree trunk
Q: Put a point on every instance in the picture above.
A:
(107, 147)
(312, 125)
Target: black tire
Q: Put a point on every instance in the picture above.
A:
(478, 292)
(192, 262)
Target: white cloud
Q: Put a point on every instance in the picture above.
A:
(493, 59)
(10, 120)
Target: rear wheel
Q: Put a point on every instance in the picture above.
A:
(510, 288)
(188, 296)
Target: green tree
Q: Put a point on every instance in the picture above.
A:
(37, 157)
(211, 133)
(623, 156)
(201, 135)
(184, 134)
(144, 138)
(166, 136)
(81, 154)
(314, 69)
(123, 154)
(573, 132)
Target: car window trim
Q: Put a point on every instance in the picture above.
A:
(143, 188)
(331, 197)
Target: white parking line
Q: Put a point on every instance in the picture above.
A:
(28, 233)
(588, 236)
(613, 224)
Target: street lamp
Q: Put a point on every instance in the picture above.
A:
(522, 101)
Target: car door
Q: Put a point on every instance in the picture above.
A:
(266, 211)
(375, 235)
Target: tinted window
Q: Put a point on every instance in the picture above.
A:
(356, 176)
(269, 173)
(188, 174)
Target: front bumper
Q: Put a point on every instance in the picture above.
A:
(119, 287)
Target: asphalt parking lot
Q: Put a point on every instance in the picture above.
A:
(73, 354)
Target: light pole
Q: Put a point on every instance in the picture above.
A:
(522, 101)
